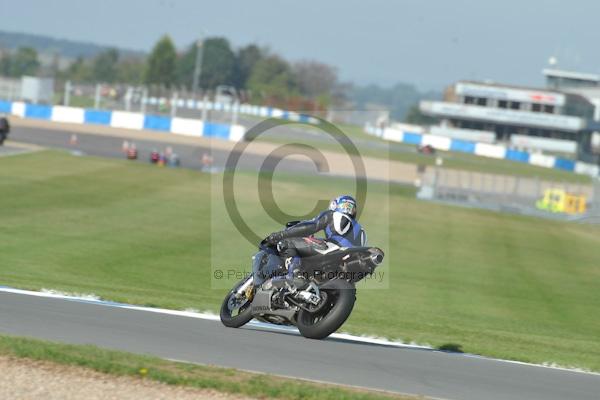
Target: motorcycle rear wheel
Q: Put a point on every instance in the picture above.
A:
(340, 299)
(244, 314)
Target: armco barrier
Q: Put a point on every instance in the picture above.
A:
(188, 127)
(463, 146)
(218, 131)
(123, 119)
(542, 160)
(587, 169)
(567, 165)
(490, 150)
(517, 155)
(248, 109)
(68, 114)
(18, 108)
(98, 117)
(394, 135)
(127, 120)
(5, 107)
(484, 150)
(38, 111)
(157, 123)
(438, 142)
(412, 138)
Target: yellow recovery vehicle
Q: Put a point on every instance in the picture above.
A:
(560, 201)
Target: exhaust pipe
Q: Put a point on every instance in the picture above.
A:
(376, 256)
(377, 259)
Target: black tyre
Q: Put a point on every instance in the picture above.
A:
(329, 317)
(236, 311)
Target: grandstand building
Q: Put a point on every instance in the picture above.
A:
(535, 119)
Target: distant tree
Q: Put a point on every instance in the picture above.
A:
(314, 78)
(78, 71)
(24, 62)
(218, 64)
(415, 116)
(272, 77)
(5, 64)
(130, 71)
(246, 59)
(161, 63)
(54, 66)
(185, 66)
(104, 66)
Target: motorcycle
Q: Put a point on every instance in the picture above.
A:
(4, 129)
(323, 297)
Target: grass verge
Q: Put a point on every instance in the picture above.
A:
(453, 160)
(178, 373)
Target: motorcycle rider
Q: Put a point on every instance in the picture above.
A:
(4, 128)
(297, 242)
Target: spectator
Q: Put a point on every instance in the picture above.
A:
(207, 161)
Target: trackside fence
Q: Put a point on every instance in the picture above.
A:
(514, 194)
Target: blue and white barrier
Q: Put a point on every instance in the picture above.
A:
(124, 119)
(246, 109)
(484, 149)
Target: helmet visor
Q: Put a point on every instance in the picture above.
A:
(347, 207)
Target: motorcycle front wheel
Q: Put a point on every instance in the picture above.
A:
(330, 316)
(236, 310)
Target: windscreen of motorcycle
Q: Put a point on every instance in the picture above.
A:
(265, 266)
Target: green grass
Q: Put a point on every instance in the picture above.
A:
(487, 283)
(176, 373)
(454, 160)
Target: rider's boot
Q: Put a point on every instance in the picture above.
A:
(290, 283)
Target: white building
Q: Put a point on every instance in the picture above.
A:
(506, 113)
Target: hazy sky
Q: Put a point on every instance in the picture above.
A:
(426, 42)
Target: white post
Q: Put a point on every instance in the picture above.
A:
(234, 114)
(67, 98)
(144, 100)
(174, 105)
(204, 107)
(197, 67)
(128, 96)
(97, 97)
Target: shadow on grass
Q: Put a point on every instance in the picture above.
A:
(451, 348)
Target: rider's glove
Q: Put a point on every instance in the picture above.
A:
(274, 238)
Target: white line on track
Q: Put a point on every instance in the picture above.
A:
(92, 299)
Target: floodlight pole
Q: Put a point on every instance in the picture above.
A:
(198, 66)
(67, 98)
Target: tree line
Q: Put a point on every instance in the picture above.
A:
(23, 62)
(261, 75)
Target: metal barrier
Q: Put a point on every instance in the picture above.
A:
(495, 151)
(125, 119)
(515, 194)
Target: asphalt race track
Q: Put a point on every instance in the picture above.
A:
(398, 369)
(111, 146)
